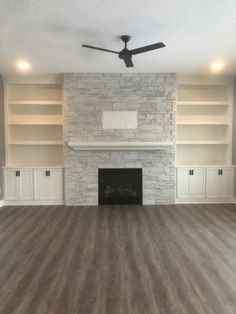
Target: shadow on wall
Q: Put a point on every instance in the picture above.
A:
(2, 138)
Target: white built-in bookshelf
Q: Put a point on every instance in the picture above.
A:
(34, 122)
(204, 121)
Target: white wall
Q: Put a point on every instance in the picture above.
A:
(2, 142)
(234, 126)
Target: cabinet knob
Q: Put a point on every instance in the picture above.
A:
(17, 173)
(47, 173)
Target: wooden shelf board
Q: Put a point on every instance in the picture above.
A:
(203, 83)
(36, 143)
(51, 166)
(202, 143)
(213, 165)
(36, 102)
(203, 103)
(201, 123)
(35, 123)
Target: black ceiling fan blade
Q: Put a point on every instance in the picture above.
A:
(101, 49)
(128, 62)
(147, 48)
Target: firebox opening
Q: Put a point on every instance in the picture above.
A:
(120, 186)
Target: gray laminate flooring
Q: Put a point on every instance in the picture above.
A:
(118, 259)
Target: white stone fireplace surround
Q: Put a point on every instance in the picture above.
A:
(151, 146)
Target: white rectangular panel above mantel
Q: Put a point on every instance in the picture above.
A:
(120, 120)
(120, 145)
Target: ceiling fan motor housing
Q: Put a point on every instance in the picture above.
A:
(125, 38)
(125, 53)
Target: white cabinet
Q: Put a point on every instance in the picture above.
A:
(191, 183)
(48, 184)
(18, 184)
(42, 185)
(205, 183)
(220, 182)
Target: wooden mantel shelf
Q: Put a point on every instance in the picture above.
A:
(119, 145)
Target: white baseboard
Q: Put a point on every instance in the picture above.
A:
(206, 201)
(1, 203)
(32, 203)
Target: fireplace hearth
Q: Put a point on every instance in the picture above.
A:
(120, 186)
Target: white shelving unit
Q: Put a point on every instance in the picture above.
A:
(204, 121)
(204, 140)
(34, 140)
(34, 122)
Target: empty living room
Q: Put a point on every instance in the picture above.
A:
(117, 157)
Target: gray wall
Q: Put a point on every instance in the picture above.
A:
(234, 126)
(86, 96)
(2, 142)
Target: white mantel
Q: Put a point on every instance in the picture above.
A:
(119, 145)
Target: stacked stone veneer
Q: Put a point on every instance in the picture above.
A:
(86, 96)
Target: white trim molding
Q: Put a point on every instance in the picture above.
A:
(1, 203)
(33, 203)
(120, 145)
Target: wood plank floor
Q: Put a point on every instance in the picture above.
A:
(118, 259)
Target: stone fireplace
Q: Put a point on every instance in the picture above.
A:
(153, 98)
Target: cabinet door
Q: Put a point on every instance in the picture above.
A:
(18, 184)
(25, 185)
(183, 187)
(220, 182)
(212, 183)
(197, 183)
(54, 184)
(48, 184)
(40, 189)
(227, 182)
(11, 185)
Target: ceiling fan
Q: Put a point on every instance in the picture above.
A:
(127, 54)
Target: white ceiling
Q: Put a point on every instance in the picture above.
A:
(49, 34)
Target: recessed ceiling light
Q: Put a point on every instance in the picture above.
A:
(217, 66)
(23, 65)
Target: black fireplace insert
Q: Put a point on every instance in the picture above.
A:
(120, 186)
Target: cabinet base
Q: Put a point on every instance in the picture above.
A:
(32, 203)
(1, 203)
(206, 201)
